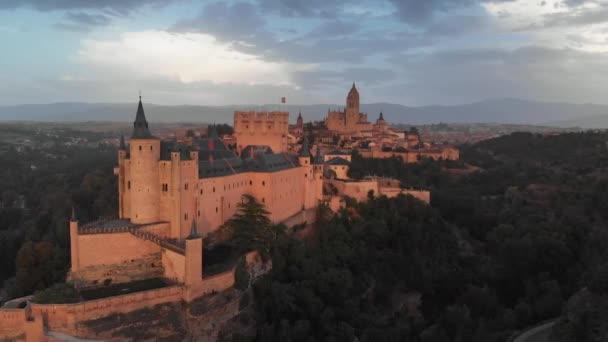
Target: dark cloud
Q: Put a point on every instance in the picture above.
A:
(463, 76)
(238, 21)
(114, 6)
(344, 41)
(81, 21)
(304, 8)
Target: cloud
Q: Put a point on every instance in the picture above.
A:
(81, 21)
(121, 7)
(187, 58)
(533, 72)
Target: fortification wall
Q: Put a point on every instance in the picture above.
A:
(357, 190)
(65, 317)
(120, 257)
(12, 323)
(447, 153)
(423, 195)
(174, 265)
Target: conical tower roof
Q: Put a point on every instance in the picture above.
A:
(73, 218)
(305, 150)
(122, 146)
(318, 157)
(193, 232)
(212, 132)
(140, 125)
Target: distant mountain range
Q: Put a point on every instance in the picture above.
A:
(507, 111)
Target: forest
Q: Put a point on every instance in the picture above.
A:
(518, 242)
(522, 240)
(40, 183)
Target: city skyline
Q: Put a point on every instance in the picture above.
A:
(255, 52)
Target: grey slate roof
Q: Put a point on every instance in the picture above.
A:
(338, 161)
(338, 153)
(140, 125)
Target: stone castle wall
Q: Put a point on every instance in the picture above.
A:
(65, 317)
(414, 156)
(120, 257)
(12, 323)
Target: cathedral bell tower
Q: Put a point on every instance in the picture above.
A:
(352, 107)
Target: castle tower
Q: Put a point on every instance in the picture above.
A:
(352, 107)
(123, 196)
(304, 156)
(318, 163)
(144, 185)
(193, 272)
(74, 242)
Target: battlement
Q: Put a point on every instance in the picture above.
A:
(260, 116)
(261, 128)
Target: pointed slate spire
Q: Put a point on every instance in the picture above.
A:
(193, 232)
(73, 218)
(299, 114)
(213, 132)
(318, 157)
(123, 146)
(381, 116)
(305, 150)
(140, 125)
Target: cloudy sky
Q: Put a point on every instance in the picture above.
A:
(413, 52)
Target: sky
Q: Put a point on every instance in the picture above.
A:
(411, 52)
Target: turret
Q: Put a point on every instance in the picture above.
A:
(304, 155)
(193, 272)
(120, 171)
(74, 241)
(144, 186)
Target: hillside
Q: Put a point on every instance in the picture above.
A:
(492, 111)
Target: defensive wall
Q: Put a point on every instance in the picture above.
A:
(31, 323)
(413, 156)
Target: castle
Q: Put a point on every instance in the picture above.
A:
(170, 193)
(350, 120)
(170, 196)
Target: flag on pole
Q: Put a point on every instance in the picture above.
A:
(283, 99)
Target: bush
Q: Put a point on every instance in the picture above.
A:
(57, 294)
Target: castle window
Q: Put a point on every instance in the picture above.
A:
(185, 216)
(186, 186)
(129, 185)
(216, 209)
(250, 182)
(213, 189)
(263, 200)
(150, 147)
(199, 213)
(263, 183)
(305, 175)
(201, 191)
(140, 147)
(228, 205)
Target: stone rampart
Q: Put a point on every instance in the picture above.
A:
(66, 317)
(12, 323)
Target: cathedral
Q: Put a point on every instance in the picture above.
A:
(350, 120)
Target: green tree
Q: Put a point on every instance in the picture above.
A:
(252, 229)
